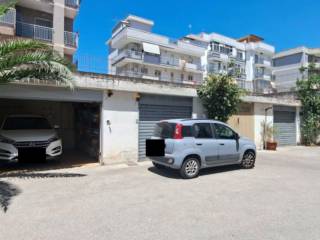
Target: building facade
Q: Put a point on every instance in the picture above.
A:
(248, 59)
(50, 21)
(287, 66)
(135, 51)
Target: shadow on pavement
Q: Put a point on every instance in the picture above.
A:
(7, 192)
(174, 174)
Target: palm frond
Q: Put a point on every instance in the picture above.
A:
(28, 59)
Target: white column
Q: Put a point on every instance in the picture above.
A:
(298, 122)
(58, 25)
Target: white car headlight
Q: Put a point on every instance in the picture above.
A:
(6, 140)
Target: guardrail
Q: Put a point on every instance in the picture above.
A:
(34, 31)
(9, 18)
(71, 39)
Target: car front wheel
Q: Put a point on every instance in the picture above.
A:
(190, 168)
(248, 160)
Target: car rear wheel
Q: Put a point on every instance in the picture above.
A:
(248, 160)
(190, 168)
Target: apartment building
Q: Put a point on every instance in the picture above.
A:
(287, 66)
(135, 51)
(50, 21)
(247, 58)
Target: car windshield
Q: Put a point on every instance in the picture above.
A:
(24, 123)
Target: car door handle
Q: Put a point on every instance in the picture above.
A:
(199, 144)
(221, 144)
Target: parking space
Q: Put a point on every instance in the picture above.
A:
(278, 199)
(77, 124)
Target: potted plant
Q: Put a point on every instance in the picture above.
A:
(268, 137)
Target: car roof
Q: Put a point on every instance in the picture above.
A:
(188, 121)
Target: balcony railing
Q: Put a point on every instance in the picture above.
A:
(157, 78)
(72, 3)
(71, 39)
(169, 61)
(34, 31)
(247, 85)
(9, 18)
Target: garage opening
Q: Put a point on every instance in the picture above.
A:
(284, 119)
(153, 108)
(77, 124)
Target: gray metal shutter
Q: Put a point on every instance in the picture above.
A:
(155, 108)
(284, 122)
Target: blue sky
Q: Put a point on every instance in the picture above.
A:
(283, 23)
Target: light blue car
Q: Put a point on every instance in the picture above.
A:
(192, 144)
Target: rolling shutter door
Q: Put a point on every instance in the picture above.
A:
(284, 122)
(153, 109)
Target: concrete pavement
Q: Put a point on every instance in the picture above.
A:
(278, 199)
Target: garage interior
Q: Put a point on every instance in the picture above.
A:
(79, 126)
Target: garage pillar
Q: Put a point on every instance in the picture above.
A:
(119, 127)
(259, 118)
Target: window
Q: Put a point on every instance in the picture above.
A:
(190, 78)
(164, 130)
(239, 55)
(157, 73)
(202, 130)
(186, 131)
(223, 132)
(43, 22)
(144, 70)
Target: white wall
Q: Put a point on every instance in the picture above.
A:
(259, 117)
(120, 138)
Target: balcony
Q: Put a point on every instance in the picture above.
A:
(71, 39)
(158, 78)
(127, 53)
(262, 76)
(9, 18)
(72, 3)
(262, 86)
(247, 85)
(34, 31)
(263, 62)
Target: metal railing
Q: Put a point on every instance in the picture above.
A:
(157, 78)
(72, 3)
(34, 31)
(9, 18)
(170, 61)
(247, 85)
(71, 39)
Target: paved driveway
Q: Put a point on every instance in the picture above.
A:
(279, 199)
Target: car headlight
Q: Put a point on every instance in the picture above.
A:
(53, 139)
(6, 140)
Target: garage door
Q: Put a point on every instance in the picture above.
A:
(155, 108)
(284, 122)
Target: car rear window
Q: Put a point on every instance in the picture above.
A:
(166, 130)
(25, 123)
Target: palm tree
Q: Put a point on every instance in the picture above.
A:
(29, 59)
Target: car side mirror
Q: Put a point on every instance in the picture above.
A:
(56, 126)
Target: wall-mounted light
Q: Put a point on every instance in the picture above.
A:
(137, 96)
(110, 93)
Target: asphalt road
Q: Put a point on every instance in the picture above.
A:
(278, 199)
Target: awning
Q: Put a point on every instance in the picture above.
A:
(151, 48)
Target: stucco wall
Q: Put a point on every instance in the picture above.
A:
(259, 117)
(120, 137)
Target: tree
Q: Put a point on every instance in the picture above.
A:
(308, 89)
(221, 96)
(29, 59)
(6, 5)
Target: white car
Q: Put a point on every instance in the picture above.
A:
(28, 135)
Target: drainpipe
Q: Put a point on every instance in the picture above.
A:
(265, 126)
